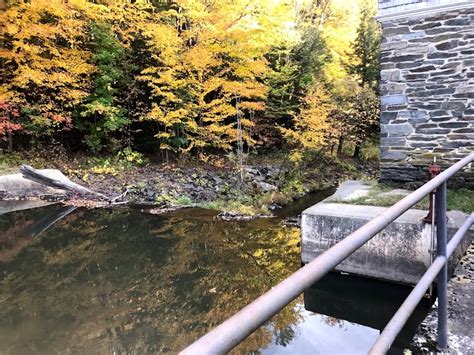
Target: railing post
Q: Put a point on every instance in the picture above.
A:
(441, 238)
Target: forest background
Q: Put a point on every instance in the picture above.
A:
(188, 77)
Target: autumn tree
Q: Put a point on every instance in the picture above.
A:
(216, 62)
(365, 67)
(9, 123)
(297, 68)
(183, 76)
(46, 60)
(310, 125)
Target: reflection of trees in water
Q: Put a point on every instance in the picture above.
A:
(333, 322)
(20, 229)
(126, 282)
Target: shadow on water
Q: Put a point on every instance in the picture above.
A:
(364, 301)
(124, 281)
(295, 208)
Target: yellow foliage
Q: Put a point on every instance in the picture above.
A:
(311, 125)
(218, 54)
(44, 36)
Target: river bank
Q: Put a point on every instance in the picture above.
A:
(264, 184)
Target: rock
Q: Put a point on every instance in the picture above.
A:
(292, 222)
(274, 206)
(231, 216)
(217, 179)
(234, 217)
(265, 187)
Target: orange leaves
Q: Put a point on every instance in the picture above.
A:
(8, 120)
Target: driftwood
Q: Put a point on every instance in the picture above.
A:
(31, 173)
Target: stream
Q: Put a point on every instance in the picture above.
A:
(119, 281)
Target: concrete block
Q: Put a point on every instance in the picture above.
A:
(17, 184)
(400, 253)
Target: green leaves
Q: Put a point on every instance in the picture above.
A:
(102, 115)
(365, 50)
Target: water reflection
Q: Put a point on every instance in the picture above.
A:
(20, 230)
(122, 281)
(320, 334)
(366, 302)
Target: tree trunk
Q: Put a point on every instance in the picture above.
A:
(340, 145)
(10, 142)
(357, 150)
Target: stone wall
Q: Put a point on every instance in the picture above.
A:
(427, 93)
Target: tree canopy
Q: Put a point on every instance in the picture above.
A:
(185, 76)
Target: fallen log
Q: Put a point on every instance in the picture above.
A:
(62, 183)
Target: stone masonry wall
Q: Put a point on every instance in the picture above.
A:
(427, 94)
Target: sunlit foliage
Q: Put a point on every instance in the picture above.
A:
(191, 76)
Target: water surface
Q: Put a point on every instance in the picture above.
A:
(123, 281)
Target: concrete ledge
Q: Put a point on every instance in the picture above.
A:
(400, 253)
(16, 184)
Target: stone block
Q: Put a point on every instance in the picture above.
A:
(441, 55)
(408, 65)
(466, 95)
(392, 155)
(427, 25)
(397, 129)
(453, 105)
(393, 88)
(392, 31)
(432, 130)
(454, 124)
(414, 114)
(438, 30)
(390, 75)
(393, 99)
(389, 46)
(415, 77)
(436, 92)
(386, 117)
(399, 253)
(393, 142)
(412, 35)
(457, 22)
(424, 68)
(438, 113)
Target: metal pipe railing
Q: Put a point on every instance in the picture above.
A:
(396, 324)
(235, 329)
(441, 246)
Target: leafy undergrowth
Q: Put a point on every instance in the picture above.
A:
(270, 179)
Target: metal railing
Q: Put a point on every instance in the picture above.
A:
(235, 329)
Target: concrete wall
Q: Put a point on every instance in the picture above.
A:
(427, 87)
(399, 253)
